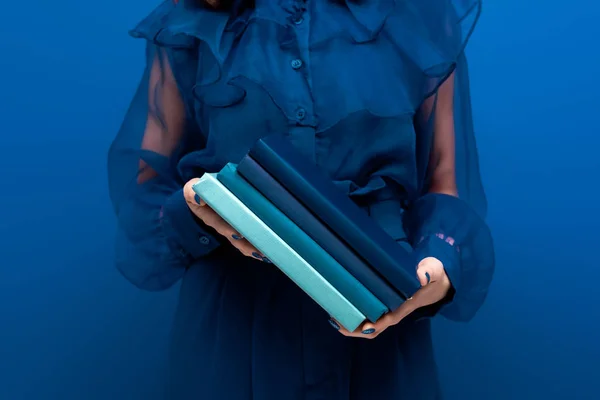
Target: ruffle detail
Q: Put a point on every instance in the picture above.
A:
(372, 17)
(414, 44)
(186, 25)
(433, 34)
(406, 40)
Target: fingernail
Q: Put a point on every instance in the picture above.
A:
(368, 331)
(334, 324)
(236, 237)
(256, 255)
(428, 277)
(197, 199)
(265, 259)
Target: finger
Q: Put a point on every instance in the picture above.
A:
(236, 235)
(190, 195)
(199, 201)
(370, 330)
(247, 249)
(231, 234)
(334, 324)
(214, 220)
(430, 270)
(243, 245)
(339, 327)
(423, 275)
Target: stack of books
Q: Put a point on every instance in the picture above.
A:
(293, 214)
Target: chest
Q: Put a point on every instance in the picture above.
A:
(307, 79)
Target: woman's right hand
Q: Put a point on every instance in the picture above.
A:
(212, 219)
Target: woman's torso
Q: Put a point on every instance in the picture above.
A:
(339, 81)
(327, 74)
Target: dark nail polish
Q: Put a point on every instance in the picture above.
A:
(334, 324)
(197, 199)
(265, 259)
(236, 237)
(428, 277)
(368, 331)
(256, 255)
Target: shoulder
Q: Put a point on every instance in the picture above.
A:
(432, 33)
(181, 24)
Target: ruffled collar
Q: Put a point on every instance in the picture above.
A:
(210, 26)
(371, 15)
(184, 23)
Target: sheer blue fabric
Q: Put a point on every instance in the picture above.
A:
(377, 94)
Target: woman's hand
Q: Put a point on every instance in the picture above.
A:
(434, 287)
(212, 219)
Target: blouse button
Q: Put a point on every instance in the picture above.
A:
(204, 240)
(301, 113)
(298, 20)
(296, 63)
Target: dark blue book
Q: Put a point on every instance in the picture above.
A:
(319, 232)
(303, 179)
(325, 265)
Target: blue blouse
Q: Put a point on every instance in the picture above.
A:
(355, 86)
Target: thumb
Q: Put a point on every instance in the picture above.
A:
(423, 274)
(190, 195)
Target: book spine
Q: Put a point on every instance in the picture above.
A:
(234, 212)
(368, 243)
(309, 223)
(308, 249)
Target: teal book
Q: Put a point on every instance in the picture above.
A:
(242, 219)
(306, 247)
(315, 189)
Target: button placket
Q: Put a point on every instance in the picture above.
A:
(302, 118)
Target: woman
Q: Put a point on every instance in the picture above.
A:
(376, 93)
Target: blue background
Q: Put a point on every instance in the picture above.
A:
(72, 328)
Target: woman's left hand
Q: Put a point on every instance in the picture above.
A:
(434, 287)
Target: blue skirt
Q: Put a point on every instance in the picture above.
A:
(245, 331)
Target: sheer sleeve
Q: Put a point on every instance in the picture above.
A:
(157, 235)
(447, 221)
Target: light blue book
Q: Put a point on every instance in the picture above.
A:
(303, 244)
(243, 220)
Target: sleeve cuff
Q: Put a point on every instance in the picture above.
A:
(183, 231)
(449, 229)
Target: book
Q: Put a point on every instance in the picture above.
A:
(283, 256)
(319, 232)
(303, 244)
(302, 178)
